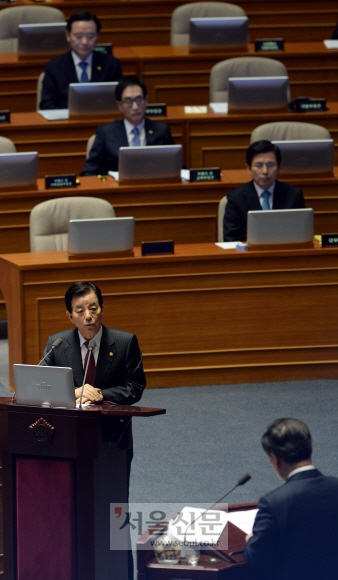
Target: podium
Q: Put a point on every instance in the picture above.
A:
(62, 468)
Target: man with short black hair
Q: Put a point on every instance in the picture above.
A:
(133, 130)
(263, 160)
(295, 531)
(81, 64)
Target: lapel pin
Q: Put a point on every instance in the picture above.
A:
(150, 132)
(111, 354)
(98, 68)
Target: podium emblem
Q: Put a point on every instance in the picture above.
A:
(42, 432)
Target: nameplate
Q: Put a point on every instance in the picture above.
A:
(205, 174)
(106, 48)
(267, 44)
(156, 248)
(5, 117)
(307, 105)
(60, 181)
(157, 110)
(329, 240)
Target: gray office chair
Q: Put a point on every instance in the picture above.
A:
(90, 144)
(11, 17)
(6, 145)
(220, 216)
(242, 66)
(49, 220)
(289, 131)
(39, 89)
(179, 28)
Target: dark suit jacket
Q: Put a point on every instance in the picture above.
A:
(110, 137)
(60, 72)
(119, 371)
(295, 531)
(245, 198)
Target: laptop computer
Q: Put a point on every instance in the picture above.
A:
(18, 169)
(307, 156)
(254, 93)
(44, 386)
(151, 162)
(280, 226)
(42, 39)
(222, 33)
(95, 236)
(89, 99)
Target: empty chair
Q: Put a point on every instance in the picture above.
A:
(49, 220)
(220, 218)
(289, 131)
(180, 18)
(6, 145)
(11, 17)
(242, 66)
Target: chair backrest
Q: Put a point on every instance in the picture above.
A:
(220, 216)
(242, 66)
(11, 17)
(6, 145)
(180, 18)
(39, 89)
(49, 220)
(289, 131)
(90, 144)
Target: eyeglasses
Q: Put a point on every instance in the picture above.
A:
(270, 165)
(129, 102)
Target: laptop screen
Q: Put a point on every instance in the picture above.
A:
(18, 169)
(88, 99)
(43, 385)
(150, 162)
(95, 236)
(307, 156)
(250, 93)
(219, 33)
(42, 39)
(280, 226)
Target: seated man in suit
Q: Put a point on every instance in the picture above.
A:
(134, 129)
(295, 531)
(117, 373)
(80, 64)
(263, 160)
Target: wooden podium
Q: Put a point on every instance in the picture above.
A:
(62, 468)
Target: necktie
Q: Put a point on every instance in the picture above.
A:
(84, 77)
(265, 196)
(136, 139)
(91, 365)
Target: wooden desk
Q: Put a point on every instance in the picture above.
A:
(208, 139)
(201, 315)
(176, 77)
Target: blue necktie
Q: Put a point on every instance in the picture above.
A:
(84, 77)
(265, 196)
(136, 139)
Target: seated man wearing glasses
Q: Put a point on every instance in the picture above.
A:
(263, 160)
(133, 130)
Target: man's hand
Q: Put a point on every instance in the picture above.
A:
(90, 394)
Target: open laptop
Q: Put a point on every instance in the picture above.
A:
(95, 236)
(307, 156)
(18, 169)
(42, 39)
(88, 99)
(280, 226)
(222, 33)
(254, 93)
(43, 385)
(151, 162)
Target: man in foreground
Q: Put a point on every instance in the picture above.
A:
(133, 130)
(80, 64)
(295, 533)
(117, 373)
(264, 192)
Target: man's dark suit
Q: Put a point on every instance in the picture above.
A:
(110, 137)
(60, 72)
(245, 198)
(119, 372)
(295, 531)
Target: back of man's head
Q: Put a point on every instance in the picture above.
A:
(258, 147)
(83, 16)
(289, 439)
(129, 81)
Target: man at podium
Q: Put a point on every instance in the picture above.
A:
(115, 370)
(295, 531)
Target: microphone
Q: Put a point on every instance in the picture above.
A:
(91, 346)
(242, 481)
(55, 344)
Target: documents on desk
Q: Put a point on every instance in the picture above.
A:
(219, 108)
(244, 520)
(185, 174)
(200, 526)
(54, 114)
(329, 43)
